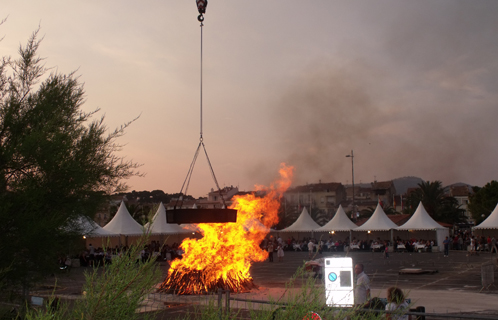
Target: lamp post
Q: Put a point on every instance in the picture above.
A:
(352, 173)
(310, 200)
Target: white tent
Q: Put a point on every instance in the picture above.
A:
(422, 221)
(123, 223)
(491, 221)
(340, 222)
(88, 228)
(379, 221)
(160, 226)
(303, 224)
(91, 229)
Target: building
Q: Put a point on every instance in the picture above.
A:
(325, 197)
(461, 193)
(384, 191)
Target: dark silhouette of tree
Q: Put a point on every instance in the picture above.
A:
(56, 164)
(439, 206)
(367, 213)
(483, 201)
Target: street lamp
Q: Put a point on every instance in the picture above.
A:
(310, 200)
(352, 172)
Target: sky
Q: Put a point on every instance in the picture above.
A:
(409, 86)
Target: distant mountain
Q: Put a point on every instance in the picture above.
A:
(402, 184)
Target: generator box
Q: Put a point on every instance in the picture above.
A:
(338, 275)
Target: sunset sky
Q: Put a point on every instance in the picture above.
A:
(410, 86)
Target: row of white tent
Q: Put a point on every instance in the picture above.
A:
(124, 224)
(378, 222)
(420, 221)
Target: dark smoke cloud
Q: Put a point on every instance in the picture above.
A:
(427, 107)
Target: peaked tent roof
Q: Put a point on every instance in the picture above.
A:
(379, 221)
(123, 223)
(340, 222)
(421, 220)
(304, 223)
(90, 228)
(491, 221)
(160, 226)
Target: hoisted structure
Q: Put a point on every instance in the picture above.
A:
(200, 215)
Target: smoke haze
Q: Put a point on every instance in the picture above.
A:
(427, 107)
(410, 86)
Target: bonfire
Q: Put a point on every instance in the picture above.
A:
(222, 258)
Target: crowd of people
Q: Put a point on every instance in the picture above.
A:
(465, 240)
(308, 244)
(97, 256)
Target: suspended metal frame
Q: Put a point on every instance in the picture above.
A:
(201, 215)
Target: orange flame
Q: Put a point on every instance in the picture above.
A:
(226, 251)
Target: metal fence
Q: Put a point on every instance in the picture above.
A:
(226, 303)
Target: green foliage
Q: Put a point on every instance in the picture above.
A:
(119, 289)
(368, 212)
(430, 194)
(114, 291)
(483, 201)
(319, 216)
(441, 207)
(55, 164)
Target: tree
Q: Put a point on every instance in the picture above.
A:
(430, 194)
(319, 216)
(55, 164)
(483, 201)
(441, 207)
(367, 212)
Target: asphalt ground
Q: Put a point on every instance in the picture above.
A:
(453, 284)
(458, 271)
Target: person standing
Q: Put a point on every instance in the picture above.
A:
(362, 289)
(460, 242)
(311, 246)
(91, 252)
(280, 253)
(493, 245)
(473, 246)
(446, 243)
(386, 250)
(270, 251)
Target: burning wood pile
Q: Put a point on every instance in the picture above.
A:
(183, 282)
(221, 259)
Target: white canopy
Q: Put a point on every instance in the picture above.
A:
(421, 220)
(123, 223)
(379, 221)
(160, 226)
(491, 221)
(303, 224)
(90, 228)
(340, 222)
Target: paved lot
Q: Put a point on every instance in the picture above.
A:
(454, 287)
(456, 272)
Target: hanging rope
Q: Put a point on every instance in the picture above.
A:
(202, 25)
(201, 4)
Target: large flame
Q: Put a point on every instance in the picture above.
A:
(223, 256)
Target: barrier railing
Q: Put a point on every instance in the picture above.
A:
(417, 313)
